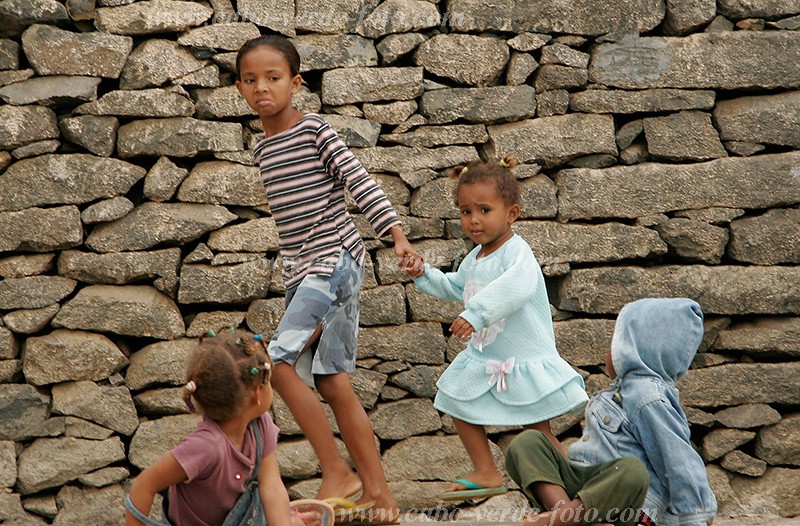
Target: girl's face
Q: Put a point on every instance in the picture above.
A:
(485, 218)
(266, 81)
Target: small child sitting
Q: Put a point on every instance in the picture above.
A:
(639, 415)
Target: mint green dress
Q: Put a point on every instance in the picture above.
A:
(510, 373)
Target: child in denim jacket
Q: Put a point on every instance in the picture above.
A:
(639, 415)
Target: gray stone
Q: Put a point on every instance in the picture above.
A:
(413, 342)
(405, 418)
(155, 62)
(574, 243)
(160, 363)
(763, 181)
(110, 407)
(14, 76)
(594, 161)
(774, 494)
(220, 182)
(217, 321)
(686, 16)
(429, 200)
(529, 41)
(728, 61)
(53, 51)
(29, 321)
(355, 132)
(122, 268)
(769, 239)
(432, 136)
(738, 9)
(53, 90)
(437, 253)
(466, 59)
(712, 326)
(52, 462)
(34, 292)
(684, 136)
(108, 210)
(163, 180)
(24, 411)
(391, 113)
(549, 103)
(70, 179)
(383, 306)
(739, 462)
(584, 342)
(367, 385)
(161, 402)
(748, 416)
(767, 336)
(399, 16)
(420, 380)
(151, 224)
(431, 458)
(236, 284)
(80, 428)
(565, 56)
(153, 102)
(425, 307)
(152, 16)
(421, 227)
(19, 14)
(649, 100)
(721, 441)
(42, 505)
(485, 105)
(694, 241)
(35, 149)
(277, 15)
(104, 477)
(699, 417)
(520, 67)
(40, 229)
(220, 36)
(393, 47)
(780, 443)
(12, 512)
(205, 77)
(628, 133)
(263, 315)
(325, 52)
(397, 159)
(66, 355)
(133, 310)
(634, 154)
(350, 85)
(219, 103)
(8, 464)
(579, 17)
(557, 139)
(256, 235)
(22, 266)
(743, 148)
(791, 23)
(720, 289)
(554, 77)
(156, 437)
(296, 459)
(201, 254)
(21, 125)
(178, 137)
(719, 24)
(337, 16)
(715, 386)
(96, 134)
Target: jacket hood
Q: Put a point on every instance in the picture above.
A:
(657, 336)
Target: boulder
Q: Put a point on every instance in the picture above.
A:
(766, 119)
(160, 363)
(762, 240)
(686, 16)
(34, 292)
(79, 505)
(776, 493)
(220, 36)
(65, 355)
(156, 62)
(740, 462)
(151, 16)
(425, 307)
(466, 59)
(96, 134)
(683, 136)
(721, 441)
(383, 306)
(225, 183)
(694, 241)
(420, 343)
(325, 52)
(237, 284)
(748, 416)
(431, 458)
(26, 321)
(488, 105)
(52, 90)
(19, 14)
(23, 409)
(584, 342)
(779, 444)
(277, 15)
(156, 437)
(399, 16)
(405, 418)
(398, 159)
(108, 406)
(152, 102)
(163, 180)
(767, 336)
(350, 85)
(769, 383)
(177, 137)
(39, 230)
(648, 100)
(21, 125)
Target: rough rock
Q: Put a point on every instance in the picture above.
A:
(21, 125)
(772, 238)
(256, 235)
(53, 90)
(367, 385)
(685, 16)
(466, 59)
(34, 292)
(160, 363)
(263, 315)
(721, 441)
(712, 215)
(334, 17)
(779, 444)
(431, 136)
(156, 437)
(565, 56)
(28, 265)
(383, 306)
(19, 14)
(277, 15)
(120, 268)
(151, 16)
(53, 51)
(350, 85)
(14, 76)
(554, 77)
(220, 36)
(727, 60)
(155, 62)
(28, 321)
(529, 41)
(421, 343)
(220, 103)
(8, 463)
(24, 410)
(768, 336)
(763, 181)
(178, 137)
(234, 284)
(557, 139)
(738, 9)
(425, 307)
(80, 428)
(549, 103)
(133, 310)
(394, 159)
(767, 119)
(694, 241)
(51, 462)
(394, 47)
(66, 355)
(484, 105)
(96, 134)
(151, 224)
(35, 149)
(684, 136)
(520, 67)
(766, 496)
(161, 402)
(355, 132)
(584, 342)
(739, 462)
(325, 52)
(163, 180)
(748, 416)
(40, 230)
(649, 100)
(419, 380)
(152, 102)
(430, 458)
(391, 113)
(720, 289)
(91, 506)
(405, 418)
(399, 16)
(107, 210)
(715, 386)
(108, 406)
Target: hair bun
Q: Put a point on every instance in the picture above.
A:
(458, 171)
(509, 161)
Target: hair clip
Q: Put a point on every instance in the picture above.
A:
(463, 171)
(191, 386)
(211, 333)
(254, 370)
(231, 329)
(267, 366)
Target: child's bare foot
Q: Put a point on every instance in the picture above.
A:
(385, 510)
(344, 486)
(490, 479)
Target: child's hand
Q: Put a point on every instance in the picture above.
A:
(414, 266)
(461, 328)
(306, 518)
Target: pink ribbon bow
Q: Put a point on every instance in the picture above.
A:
(499, 371)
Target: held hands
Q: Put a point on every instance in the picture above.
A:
(461, 328)
(411, 261)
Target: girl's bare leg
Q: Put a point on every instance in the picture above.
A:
(477, 445)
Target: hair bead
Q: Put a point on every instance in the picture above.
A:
(254, 370)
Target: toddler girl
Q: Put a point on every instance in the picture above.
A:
(510, 372)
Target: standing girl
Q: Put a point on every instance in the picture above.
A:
(306, 167)
(226, 471)
(510, 372)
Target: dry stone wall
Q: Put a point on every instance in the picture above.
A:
(660, 142)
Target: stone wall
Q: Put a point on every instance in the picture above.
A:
(132, 221)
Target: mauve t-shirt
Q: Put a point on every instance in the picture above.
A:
(216, 472)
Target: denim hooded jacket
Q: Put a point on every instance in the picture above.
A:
(639, 415)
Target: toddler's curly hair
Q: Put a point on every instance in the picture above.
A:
(498, 173)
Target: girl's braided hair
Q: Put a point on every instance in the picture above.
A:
(498, 173)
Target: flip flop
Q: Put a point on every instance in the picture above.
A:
(473, 491)
(326, 514)
(345, 509)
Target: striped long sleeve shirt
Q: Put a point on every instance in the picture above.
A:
(305, 170)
